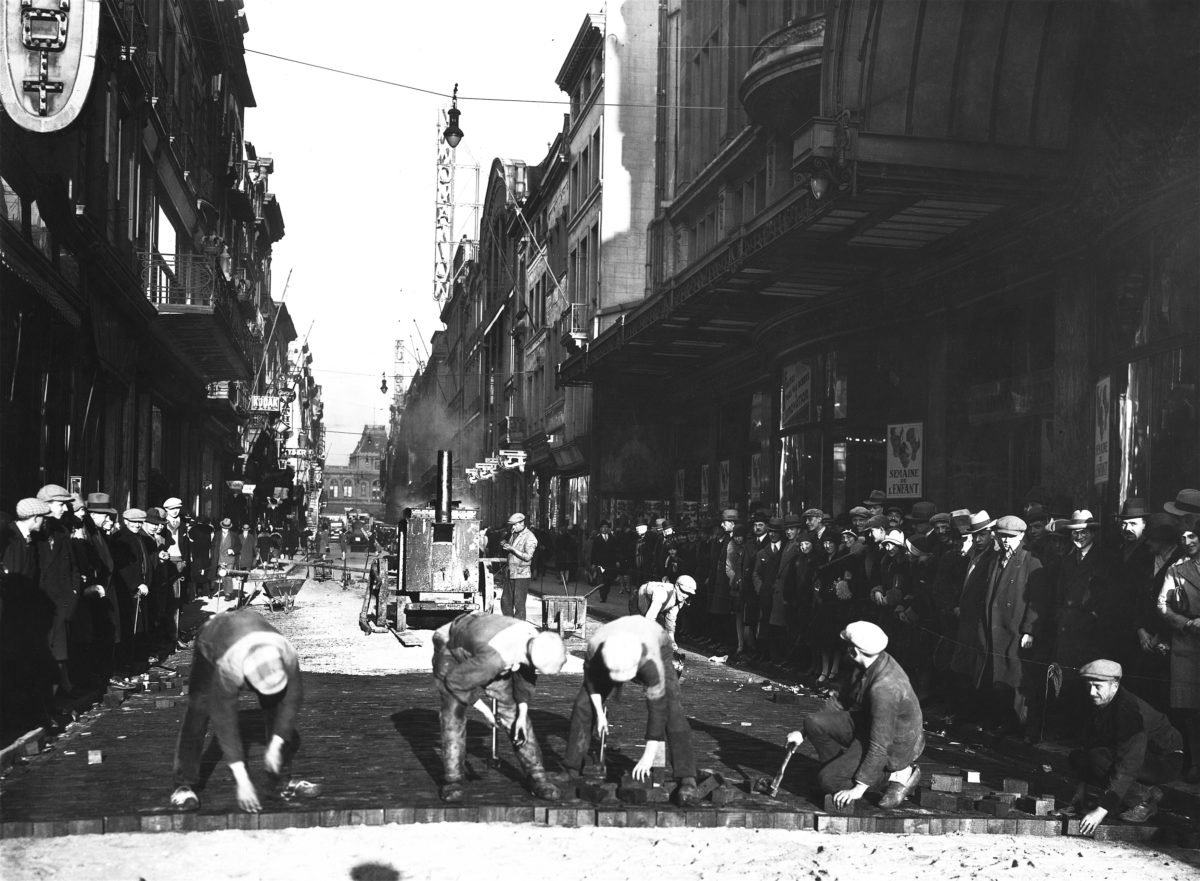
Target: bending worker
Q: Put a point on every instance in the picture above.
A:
(480, 654)
(1128, 746)
(879, 736)
(634, 649)
(236, 651)
(661, 601)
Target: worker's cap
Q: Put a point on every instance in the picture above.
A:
(1101, 670)
(133, 515)
(876, 521)
(895, 537)
(686, 583)
(516, 518)
(172, 503)
(1010, 524)
(859, 511)
(621, 653)
(27, 508)
(641, 529)
(730, 514)
(547, 652)
(868, 638)
(264, 669)
(813, 512)
(52, 492)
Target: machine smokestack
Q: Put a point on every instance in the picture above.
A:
(444, 463)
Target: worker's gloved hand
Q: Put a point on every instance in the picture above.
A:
(795, 738)
(518, 732)
(247, 798)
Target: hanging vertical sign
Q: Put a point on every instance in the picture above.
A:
(1103, 421)
(680, 478)
(723, 483)
(796, 395)
(905, 460)
(705, 498)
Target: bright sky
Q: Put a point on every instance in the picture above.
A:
(355, 161)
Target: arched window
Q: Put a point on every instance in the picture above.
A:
(347, 488)
(375, 491)
(334, 486)
(362, 490)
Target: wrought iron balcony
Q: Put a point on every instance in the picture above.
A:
(782, 86)
(195, 306)
(575, 327)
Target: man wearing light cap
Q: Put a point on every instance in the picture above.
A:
(60, 577)
(661, 601)
(236, 652)
(520, 547)
(480, 655)
(26, 690)
(876, 740)
(634, 649)
(1127, 747)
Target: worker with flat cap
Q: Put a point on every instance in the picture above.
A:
(872, 735)
(520, 546)
(661, 601)
(634, 649)
(1127, 748)
(235, 652)
(480, 655)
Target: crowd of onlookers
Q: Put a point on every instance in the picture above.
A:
(991, 617)
(90, 597)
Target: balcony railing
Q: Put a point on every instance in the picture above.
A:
(193, 283)
(135, 35)
(162, 97)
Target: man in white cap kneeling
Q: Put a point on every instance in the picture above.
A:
(878, 737)
(1127, 748)
(238, 651)
(661, 601)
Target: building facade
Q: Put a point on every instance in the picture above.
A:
(135, 260)
(358, 485)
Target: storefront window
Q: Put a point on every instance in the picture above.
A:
(800, 471)
(1158, 428)
(577, 500)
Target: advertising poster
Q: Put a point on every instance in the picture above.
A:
(905, 459)
(1103, 421)
(796, 395)
(723, 483)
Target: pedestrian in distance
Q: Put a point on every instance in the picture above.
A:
(520, 547)
(872, 735)
(1127, 749)
(239, 652)
(480, 655)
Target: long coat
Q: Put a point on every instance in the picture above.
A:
(59, 578)
(133, 562)
(1083, 606)
(720, 600)
(998, 605)
(1179, 604)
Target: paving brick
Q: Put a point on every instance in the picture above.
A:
(833, 824)
(641, 817)
(946, 783)
(242, 820)
(404, 815)
(972, 777)
(157, 823)
(457, 814)
(993, 807)
(432, 815)
(792, 820)
(1039, 826)
(213, 822)
(701, 818)
(85, 827)
(722, 796)
(49, 828)
(759, 820)
(1017, 785)
(610, 818)
(735, 819)
(332, 818)
(1037, 805)
(121, 823)
(858, 806)
(1117, 831)
(16, 830)
(669, 818)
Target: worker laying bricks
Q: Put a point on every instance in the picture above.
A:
(661, 601)
(236, 651)
(639, 650)
(478, 655)
(1127, 747)
(873, 734)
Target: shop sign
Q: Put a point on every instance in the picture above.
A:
(796, 396)
(905, 460)
(1103, 421)
(265, 404)
(704, 496)
(723, 483)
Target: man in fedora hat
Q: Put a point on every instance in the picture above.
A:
(96, 626)
(1126, 750)
(1179, 606)
(1003, 605)
(60, 577)
(223, 555)
(26, 687)
(722, 579)
(1145, 654)
(1083, 598)
(133, 563)
(240, 652)
(874, 502)
(873, 735)
(1186, 506)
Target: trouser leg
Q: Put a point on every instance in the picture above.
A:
(291, 742)
(453, 719)
(189, 747)
(520, 588)
(831, 733)
(506, 598)
(579, 738)
(679, 733)
(529, 753)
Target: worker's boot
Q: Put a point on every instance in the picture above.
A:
(688, 794)
(541, 786)
(452, 790)
(1145, 808)
(184, 799)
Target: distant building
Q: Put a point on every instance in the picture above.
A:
(357, 485)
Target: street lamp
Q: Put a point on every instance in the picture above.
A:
(453, 134)
(383, 384)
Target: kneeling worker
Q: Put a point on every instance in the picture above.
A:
(479, 654)
(236, 651)
(1127, 744)
(661, 601)
(879, 736)
(635, 649)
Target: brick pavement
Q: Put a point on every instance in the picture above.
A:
(372, 741)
